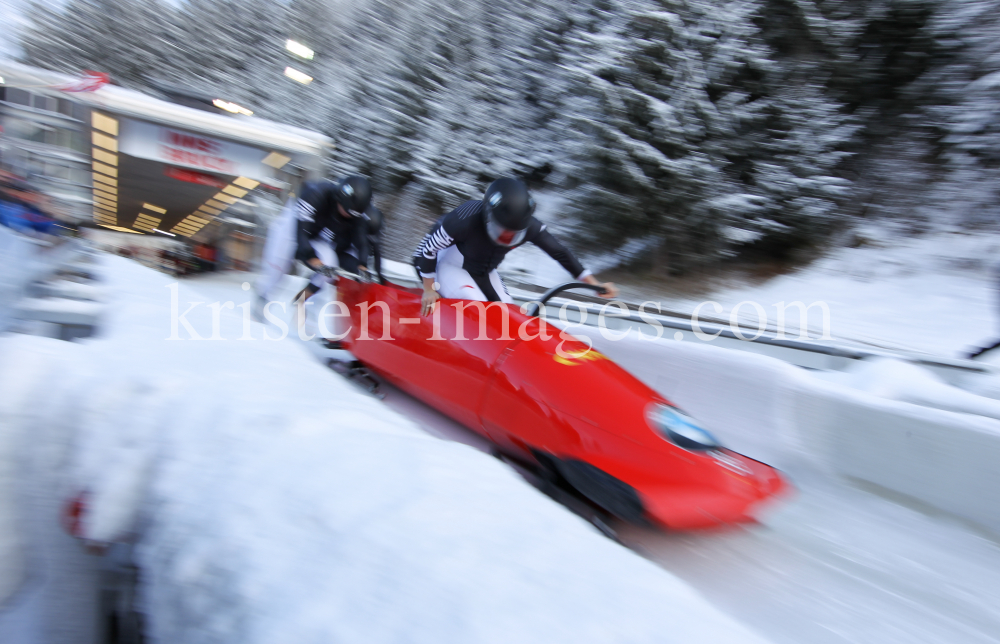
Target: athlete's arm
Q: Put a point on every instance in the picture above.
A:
(429, 297)
(359, 238)
(374, 241)
(446, 232)
(558, 251)
(307, 208)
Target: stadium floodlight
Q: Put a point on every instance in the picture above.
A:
(276, 160)
(299, 49)
(231, 107)
(243, 182)
(296, 75)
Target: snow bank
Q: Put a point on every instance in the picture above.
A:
(272, 501)
(29, 370)
(899, 380)
(24, 259)
(12, 553)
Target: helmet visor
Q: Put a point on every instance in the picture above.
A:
(503, 236)
(346, 210)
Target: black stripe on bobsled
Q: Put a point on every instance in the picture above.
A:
(614, 495)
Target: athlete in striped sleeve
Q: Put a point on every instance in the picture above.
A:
(459, 256)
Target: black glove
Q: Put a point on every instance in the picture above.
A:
(327, 271)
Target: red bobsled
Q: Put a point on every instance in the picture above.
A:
(546, 398)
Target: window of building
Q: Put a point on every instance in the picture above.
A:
(80, 176)
(20, 129)
(18, 96)
(64, 138)
(79, 142)
(58, 171)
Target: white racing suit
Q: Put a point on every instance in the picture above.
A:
(456, 282)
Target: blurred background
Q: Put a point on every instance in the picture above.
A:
(683, 136)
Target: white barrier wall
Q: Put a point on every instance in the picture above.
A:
(24, 260)
(944, 459)
(787, 417)
(12, 551)
(20, 259)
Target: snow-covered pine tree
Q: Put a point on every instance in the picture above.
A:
(378, 101)
(651, 169)
(484, 121)
(700, 139)
(558, 49)
(444, 102)
(880, 53)
(967, 113)
(130, 40)
(320, 27)
(795, 155)
(234, 50)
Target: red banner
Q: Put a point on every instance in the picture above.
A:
(91, 82)
(194, 177)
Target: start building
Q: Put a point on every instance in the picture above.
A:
(126, 161)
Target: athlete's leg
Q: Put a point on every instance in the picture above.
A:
(348, 262)
(309, 306)
(500, 287)
(454, 281)
(279, 252)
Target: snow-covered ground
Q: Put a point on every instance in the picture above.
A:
(936, 293)
(271, 500)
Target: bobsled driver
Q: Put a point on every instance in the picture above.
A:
(331, 224)
(459, 257)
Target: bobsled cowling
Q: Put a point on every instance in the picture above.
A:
(543, 396)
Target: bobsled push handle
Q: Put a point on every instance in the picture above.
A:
(535, 307)
(356, 277)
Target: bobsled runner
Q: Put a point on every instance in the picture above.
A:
(548, 399)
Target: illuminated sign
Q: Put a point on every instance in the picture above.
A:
(187, 149)
(194, 177)
(192, 151)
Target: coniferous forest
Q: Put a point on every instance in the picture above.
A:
(682, 132)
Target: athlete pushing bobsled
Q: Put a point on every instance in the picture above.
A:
(330, 224)
(459, 256)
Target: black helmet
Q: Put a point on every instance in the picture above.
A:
(374, 216)
(507, 210)
(354, 193)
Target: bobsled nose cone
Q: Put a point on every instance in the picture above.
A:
(772, 483)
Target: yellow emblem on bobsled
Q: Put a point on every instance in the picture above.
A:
(579, 357)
